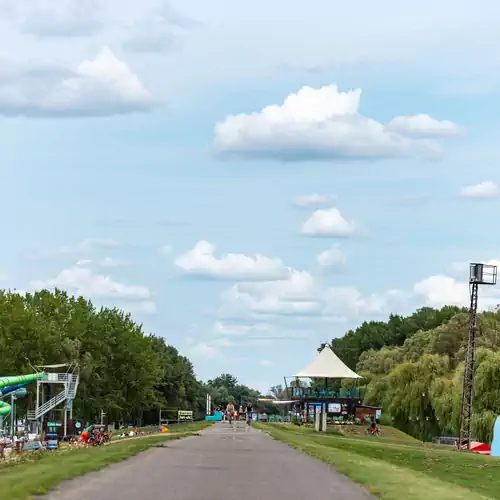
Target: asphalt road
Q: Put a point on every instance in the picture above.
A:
(224, 463)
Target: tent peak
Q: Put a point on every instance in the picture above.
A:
(326, 364)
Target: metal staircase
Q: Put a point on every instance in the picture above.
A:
(70, 382)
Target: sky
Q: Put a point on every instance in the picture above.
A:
(250, 179)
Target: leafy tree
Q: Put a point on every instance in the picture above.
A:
(414, 368)
(124, 372)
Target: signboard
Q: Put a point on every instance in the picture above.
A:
(378, 414)
(53, 429)
(184, 415)
(334, 408)
(315, 408)
(52, 444)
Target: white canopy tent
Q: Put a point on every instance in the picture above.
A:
(327, 365)
(276, 401)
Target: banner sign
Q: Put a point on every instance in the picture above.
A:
(185, 415)
(334, 408)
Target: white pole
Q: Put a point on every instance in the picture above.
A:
(65, 419)
(12, 416)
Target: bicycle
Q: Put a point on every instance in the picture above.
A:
(375, 432)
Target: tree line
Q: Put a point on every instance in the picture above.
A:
(414, 368)
(124, 372)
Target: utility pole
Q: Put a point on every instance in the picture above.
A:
(102, 417)
(479, 274)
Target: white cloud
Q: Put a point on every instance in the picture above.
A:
(313, 200)
(322, 124)
(65, 18)
(302, 294)
(82, 281)
(102, 86)
(422, 125)
(349, 301)
(266, 363)
(441, 290)
(299, 294)
(328, 223)
(333, 257)
(200, 261)
(486, 189)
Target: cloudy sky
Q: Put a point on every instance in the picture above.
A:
(250, 179)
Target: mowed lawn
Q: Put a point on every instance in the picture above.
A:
(393, 469)
(40, 473)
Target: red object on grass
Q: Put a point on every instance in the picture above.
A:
(481, 448)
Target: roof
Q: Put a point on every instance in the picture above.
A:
(327, 365)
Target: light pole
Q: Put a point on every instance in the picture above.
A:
(479, 274)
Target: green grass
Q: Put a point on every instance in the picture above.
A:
(173, 427)
(42, 472)
(394, 469)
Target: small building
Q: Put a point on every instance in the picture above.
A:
(364, 412)
(339, 403)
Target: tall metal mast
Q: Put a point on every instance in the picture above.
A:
(479, 274)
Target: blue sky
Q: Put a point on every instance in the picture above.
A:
(138, 167)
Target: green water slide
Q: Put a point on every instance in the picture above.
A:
(21, 379)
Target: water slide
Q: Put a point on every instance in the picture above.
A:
(9, 385)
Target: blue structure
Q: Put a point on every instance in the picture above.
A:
(495, 445)
(217, 416)
(14, 388)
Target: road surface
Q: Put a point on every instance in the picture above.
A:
(224, 463)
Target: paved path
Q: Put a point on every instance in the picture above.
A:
(221, 464)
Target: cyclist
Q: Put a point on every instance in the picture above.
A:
(230, 411)
(373, 430)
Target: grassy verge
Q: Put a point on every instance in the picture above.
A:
(393, 470)
(41, 473)
(174, 427)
